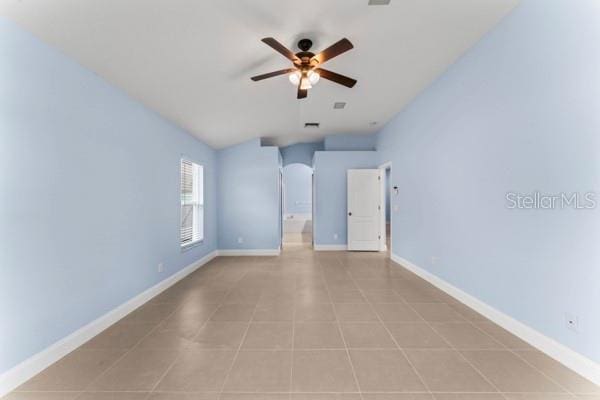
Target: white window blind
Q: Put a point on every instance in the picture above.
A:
(192, 203)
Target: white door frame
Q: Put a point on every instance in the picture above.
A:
(281, 206)
(313, 200)
(384, 167)
(283, 201)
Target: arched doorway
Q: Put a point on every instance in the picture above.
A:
(297, 204)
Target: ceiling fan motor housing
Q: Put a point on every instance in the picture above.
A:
(305, 44)
(304, 56)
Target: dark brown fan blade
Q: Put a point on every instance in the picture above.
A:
(333, 51)
(287, 53)
(272, 74)
(302, 93)
(337, 78)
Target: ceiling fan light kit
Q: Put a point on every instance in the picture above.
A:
(294, 78)
(307, 71)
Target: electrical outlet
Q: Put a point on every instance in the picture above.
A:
(434, 259)
(240, 240)
(335, 236)
(161, 267)
(572, 322)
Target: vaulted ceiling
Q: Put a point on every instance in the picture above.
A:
(191, 60)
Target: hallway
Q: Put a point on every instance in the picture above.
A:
(301, 324)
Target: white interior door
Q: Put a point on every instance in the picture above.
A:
(364, 209)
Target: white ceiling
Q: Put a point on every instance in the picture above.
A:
(191, 60)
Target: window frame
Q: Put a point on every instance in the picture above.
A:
(197, 203)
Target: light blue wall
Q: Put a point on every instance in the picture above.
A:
(300, 153)
(89, 196)
(248, 196)
(519, 112)
(297, 181)
(350, 142)
(331, 192)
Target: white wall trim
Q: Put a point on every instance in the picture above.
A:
(20, 373)
(330, 247)
(249, 252)
(570, 358)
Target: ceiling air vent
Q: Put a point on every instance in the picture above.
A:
(379, 2)
(311, 125)
(338, 105)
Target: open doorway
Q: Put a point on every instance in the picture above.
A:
(297, 205)
(387, 209)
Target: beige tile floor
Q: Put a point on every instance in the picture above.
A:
(305, 326)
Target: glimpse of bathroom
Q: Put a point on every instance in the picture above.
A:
(388, 207)
(297, 204)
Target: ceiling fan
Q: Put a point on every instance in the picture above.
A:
(307, 71)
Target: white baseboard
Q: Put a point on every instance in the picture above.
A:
(36, 363)
(249, 252)
(330, 247)
(566, 356)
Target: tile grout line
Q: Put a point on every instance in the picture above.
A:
(456, 350)
(180, 353)
(567, 390)
(128, 351)
(503, 346)
(274, 392)
(335, 313)
(472, 323)
(512, 351)
(238, 349)
(233, 280)
(450, 344)
(195, 336)
(392, 336)
(291, 385)
(294, 276)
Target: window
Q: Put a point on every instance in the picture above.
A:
(192, 203)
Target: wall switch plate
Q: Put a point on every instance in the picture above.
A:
(395, 208)
(572, 322)
(161, 267)
(434, 259)
(240, 240)
(335, 236)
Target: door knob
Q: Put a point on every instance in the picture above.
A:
(350, 214)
